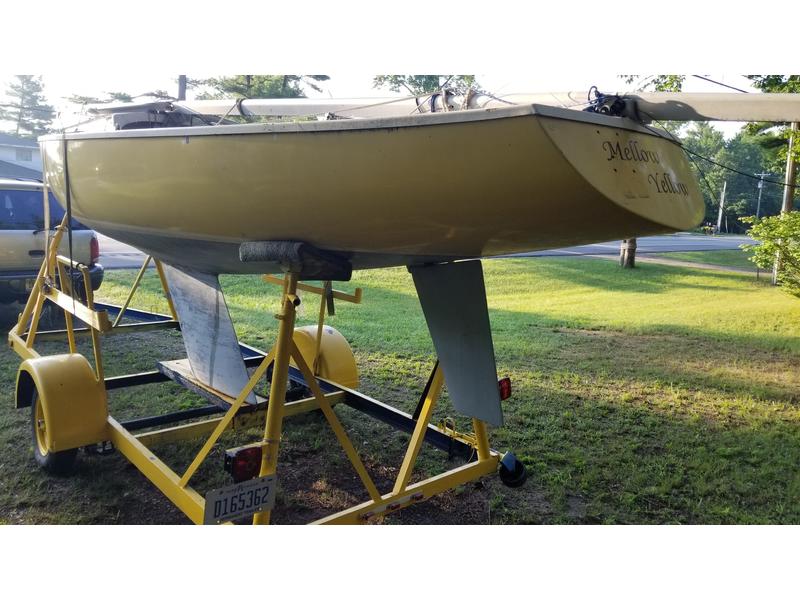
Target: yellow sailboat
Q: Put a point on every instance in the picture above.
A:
(378, 192)
(382, 184)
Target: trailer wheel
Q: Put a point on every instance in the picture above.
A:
(55, 463)
(512, 472)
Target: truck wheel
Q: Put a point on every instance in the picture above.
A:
(55, 463)
(52, 317)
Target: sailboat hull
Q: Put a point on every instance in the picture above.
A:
(383, 192)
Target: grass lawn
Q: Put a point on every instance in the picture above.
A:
(723, 258)
(655, 395)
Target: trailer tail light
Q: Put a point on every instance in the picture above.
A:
(94, 250)
(243, 463)
(505, 388)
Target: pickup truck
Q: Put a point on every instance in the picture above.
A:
(22, 239)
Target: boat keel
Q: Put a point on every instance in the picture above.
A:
(453, 299)
(208, 334)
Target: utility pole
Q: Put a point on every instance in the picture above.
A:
(181, 87)
(760, 188)
(791, 173)
(788, 193)
(721, 205)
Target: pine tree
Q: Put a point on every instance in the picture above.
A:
(26, 107)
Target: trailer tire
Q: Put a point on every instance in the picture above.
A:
(512, 472)
(55, 463)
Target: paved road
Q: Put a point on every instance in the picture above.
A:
(116, 255)
(677, 242)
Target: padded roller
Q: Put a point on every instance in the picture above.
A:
(308, 261)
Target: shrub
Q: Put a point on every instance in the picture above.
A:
(778, 235)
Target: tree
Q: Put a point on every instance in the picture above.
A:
(791, 151)
(743, 153)
(419, 85)
(78, 99)
(26, 107)
(779, 235)
(658, 83)
(703, 139)
(746, 156)
(257, 86)
(786, 84)
(118, 97)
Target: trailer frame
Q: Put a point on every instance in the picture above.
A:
(285, 362)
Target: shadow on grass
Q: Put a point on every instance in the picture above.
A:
(605, 274)
(738, 365)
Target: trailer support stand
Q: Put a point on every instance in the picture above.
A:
(277, 392)
(287, 362)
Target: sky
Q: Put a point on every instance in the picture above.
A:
(513, 46)
(59, 85)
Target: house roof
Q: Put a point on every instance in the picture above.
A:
(7, 139)
(8, 169)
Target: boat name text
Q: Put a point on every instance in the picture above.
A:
(631, 151)
(665, 184)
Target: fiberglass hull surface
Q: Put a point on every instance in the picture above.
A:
(385, 192)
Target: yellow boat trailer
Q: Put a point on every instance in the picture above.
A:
(69, 407)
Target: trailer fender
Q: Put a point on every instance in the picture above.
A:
(336, 361)
(74, 403)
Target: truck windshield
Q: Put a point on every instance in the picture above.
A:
(23, 209)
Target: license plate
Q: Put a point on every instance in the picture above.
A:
(239, 500)
(29, 284)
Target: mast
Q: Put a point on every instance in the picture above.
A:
(661, 106)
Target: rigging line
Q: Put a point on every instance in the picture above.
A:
(372, 105)
(425, 97)
(730, 87)
(69, 225)
(419, 105)
(700, 170)
(711, 189)
(392, 101)
(643, 82)
(499, 99)
(237, 103)
(677, 141)
(726, 167)
(702, 174)
(557, 100)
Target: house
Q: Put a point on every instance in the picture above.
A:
(19, 157)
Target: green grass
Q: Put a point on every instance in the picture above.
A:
(653, 395)
(723, 258)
